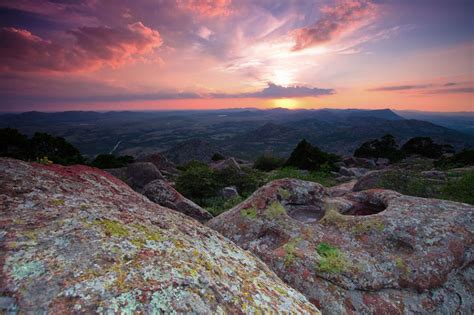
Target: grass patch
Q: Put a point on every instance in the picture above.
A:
(332, 259)
(249, 213)
(460, 189)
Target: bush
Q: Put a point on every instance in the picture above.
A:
(111, 161)
(197, 182)
(268, 163)
(218, 205)
(217, 157)
(425, 146)
(13, 144)
(385, 147)
(307, 157)
(461, 159)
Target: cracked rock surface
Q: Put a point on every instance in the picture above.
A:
(77, 240)
(368, 252)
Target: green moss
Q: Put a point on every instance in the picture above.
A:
(58, 202)
(249, 213)
(285, 194)
(332, 259)
(112, 228)
(150, 234)
(275, 210)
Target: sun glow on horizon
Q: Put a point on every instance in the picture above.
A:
(285, 103)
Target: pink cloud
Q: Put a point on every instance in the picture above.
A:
(207, 8)
(92, 48)
(344, 16)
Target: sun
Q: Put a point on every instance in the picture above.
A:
(285, 103)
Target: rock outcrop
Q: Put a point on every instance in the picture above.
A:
(137, 175)
(77, 240)
(227, 163)
(161, 192)
(370, 252)
(165, 166)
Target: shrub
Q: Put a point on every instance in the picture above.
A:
(385, 147)
(461, 159)
(217, 157)
(218, 205)
(197, 182)
(268, 163)
(111, 161)
(308, 157)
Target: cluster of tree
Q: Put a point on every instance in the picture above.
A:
(198, 181)
(387, 147)
(43, 147)
(463, 158)
(304, 156)
(39, 146)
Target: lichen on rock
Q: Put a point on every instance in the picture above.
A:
(108, 249)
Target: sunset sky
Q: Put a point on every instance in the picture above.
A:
(195, 54)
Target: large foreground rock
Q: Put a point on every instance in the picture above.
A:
(371, 252)
(162, 193)
(77, 240)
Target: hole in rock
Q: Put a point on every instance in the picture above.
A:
(305, 213)
(271, 238)
(364, 207)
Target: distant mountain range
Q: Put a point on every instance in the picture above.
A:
(244, 133)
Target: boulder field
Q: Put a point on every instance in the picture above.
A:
(77, 240)
(368, 252)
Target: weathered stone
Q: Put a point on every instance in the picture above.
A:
(382, 162)
(161, 192)
(353, 171)
(371, 252)
(229, 192)
(137, 175)
(227, 163)
(165, 166)
(78, 240)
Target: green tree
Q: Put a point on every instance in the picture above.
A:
(385, 147)
(308, 157)
(426, 147)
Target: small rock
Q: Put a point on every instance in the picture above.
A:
(229, 192)
(161, 192)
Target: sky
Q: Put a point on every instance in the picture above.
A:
(200, 54)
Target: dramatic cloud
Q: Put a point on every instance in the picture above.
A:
(208, 8)
(344, 16)
(92, 48)
(277, 91)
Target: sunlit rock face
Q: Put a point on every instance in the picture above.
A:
(369, 252)
(77, 240)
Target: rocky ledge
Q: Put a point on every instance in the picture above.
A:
(369, 252)
(77, 240)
